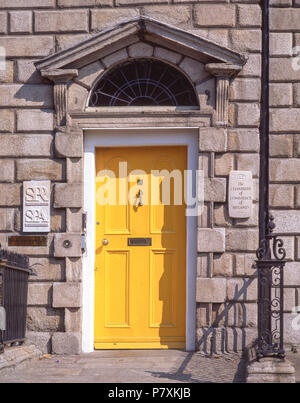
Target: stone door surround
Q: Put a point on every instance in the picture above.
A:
(74, 73)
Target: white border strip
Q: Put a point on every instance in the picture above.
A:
(128, 138)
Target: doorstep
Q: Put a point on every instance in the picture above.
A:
(18, 357)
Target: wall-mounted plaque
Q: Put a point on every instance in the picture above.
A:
(240, 194)
(36, 206)
(27, 240)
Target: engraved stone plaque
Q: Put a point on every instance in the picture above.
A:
(36, 206)
(240, 194)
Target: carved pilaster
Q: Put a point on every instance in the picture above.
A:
(222, 101)
(60, 102)
(223, 72)
(60, 77)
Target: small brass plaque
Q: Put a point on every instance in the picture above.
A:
(25, 240)
(139, 242)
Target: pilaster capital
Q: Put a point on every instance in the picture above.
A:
(223, 69)
(223, 73)
(60, 76)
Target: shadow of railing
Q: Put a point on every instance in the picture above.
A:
(223, 338)
(179, 375)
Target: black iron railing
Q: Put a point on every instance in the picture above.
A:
(14, 273)
(270, 265)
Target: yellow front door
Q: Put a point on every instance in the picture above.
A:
(140, 270)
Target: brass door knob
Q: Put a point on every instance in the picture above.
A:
(105, 241)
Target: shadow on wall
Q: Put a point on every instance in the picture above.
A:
(225, 340)
(226, 331)
(39, 95)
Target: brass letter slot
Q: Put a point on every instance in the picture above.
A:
(139, 241)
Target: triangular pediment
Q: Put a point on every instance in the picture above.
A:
(140, 29)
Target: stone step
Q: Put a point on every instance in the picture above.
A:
(17, 357)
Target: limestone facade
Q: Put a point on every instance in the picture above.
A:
(54, 56)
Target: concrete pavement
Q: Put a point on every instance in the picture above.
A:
(136, 366)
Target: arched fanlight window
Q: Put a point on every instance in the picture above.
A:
(143, 82)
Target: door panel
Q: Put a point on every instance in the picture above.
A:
(116, 266)
(116, 216)
(140, 290)
(162, 290)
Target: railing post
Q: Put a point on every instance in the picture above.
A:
(270, 265)
(2, 328)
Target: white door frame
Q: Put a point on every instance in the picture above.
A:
(124, 138)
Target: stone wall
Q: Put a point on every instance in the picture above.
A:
(284, 146)
(226, 284)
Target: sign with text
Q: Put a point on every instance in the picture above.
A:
(36, 206)
(240, 194)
